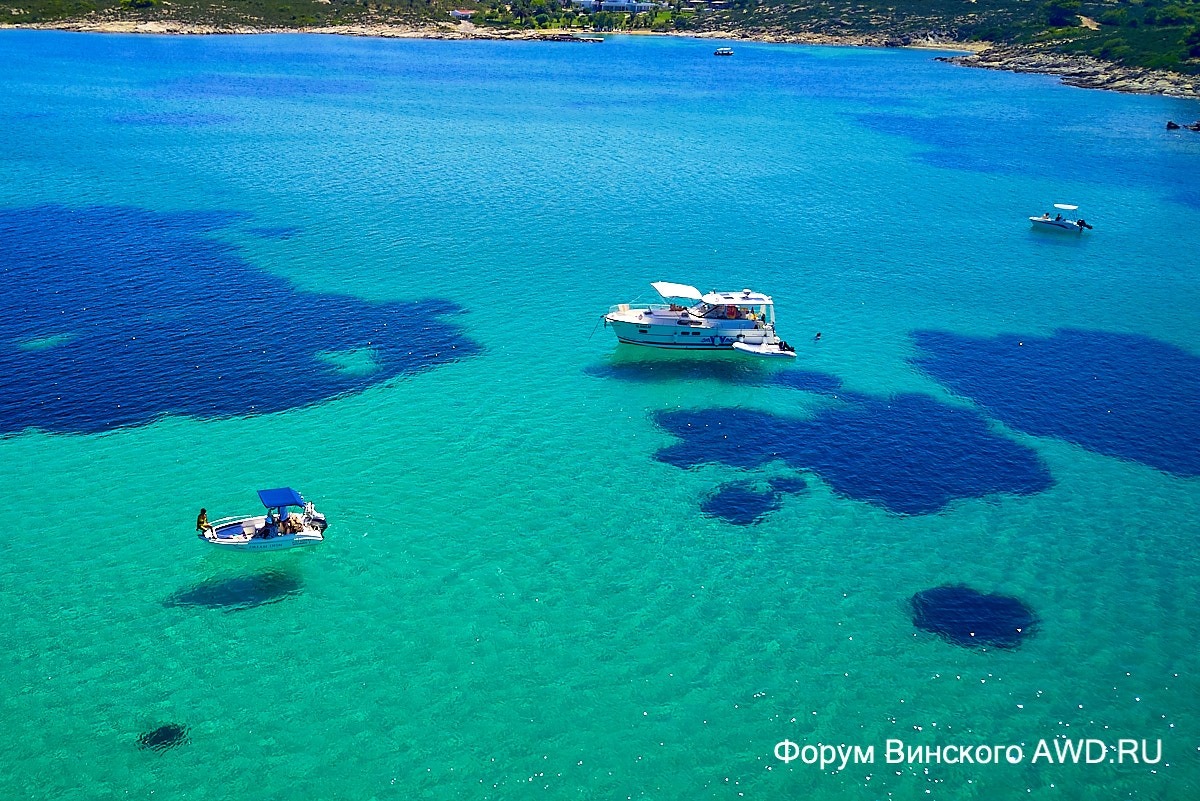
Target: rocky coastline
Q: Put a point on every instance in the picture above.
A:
(1083, 71)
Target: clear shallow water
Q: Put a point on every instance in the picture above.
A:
(518, 596)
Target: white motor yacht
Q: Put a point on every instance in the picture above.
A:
(290, 522)
(1059, 222)
(742, 321)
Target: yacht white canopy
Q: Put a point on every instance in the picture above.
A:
(1065, 206)
(669, 290)
(744, 298)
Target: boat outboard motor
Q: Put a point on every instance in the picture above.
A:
(1082, 223)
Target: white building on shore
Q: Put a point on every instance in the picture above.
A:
(631, 7)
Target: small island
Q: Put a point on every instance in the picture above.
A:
(1144, 46)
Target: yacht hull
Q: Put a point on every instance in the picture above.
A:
(678, 337)
(709, 322)
(1067, 226)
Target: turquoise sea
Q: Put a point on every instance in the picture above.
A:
(557, 567)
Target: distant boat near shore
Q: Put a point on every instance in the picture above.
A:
(723, 51)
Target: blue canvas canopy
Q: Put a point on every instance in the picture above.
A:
(277, 498)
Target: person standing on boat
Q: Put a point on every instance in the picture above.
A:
(202, 522)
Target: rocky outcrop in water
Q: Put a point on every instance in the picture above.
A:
(1082, 71)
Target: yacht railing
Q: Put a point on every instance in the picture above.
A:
(622, 307)
(225, 521)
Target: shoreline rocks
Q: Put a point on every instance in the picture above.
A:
(1085, 72)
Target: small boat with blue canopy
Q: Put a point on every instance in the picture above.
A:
(289, 522)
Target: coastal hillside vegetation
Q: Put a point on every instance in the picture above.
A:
(1161, 34)
(233, 13)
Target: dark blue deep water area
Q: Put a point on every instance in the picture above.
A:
(239, 592)
(164, 738)
(742, 503)
(1122, 395)
(112, 316)
(909, 454)
(967, 617)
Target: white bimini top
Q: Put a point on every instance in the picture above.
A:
(744, 298)
(669, 290)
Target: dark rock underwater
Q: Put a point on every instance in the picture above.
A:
(164, 738)
(1121, 395)
(966, 617)
(743, 503)
(113, 316)
(909, 454)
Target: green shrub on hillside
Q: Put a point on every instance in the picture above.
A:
(1173, 15)
(1114, 16)
(1062, 13)
(1193, 42)
(1158, 47)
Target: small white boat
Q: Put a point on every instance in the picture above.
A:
(691, 320)
(765, 351)
(1059, 222)
(723, 51)
(290, 522)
